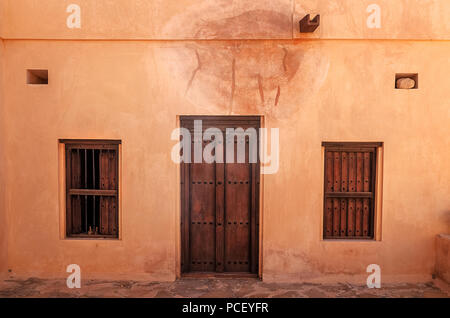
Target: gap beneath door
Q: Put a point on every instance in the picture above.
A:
(203, 275)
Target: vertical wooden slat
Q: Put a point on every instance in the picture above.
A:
(329, 171)
(359, 172)
(106, 216)
(343, 219)
(367, 169)
(358, 219)
(112, 226)
(75, 174)
(112, 169)
(344, 188)
(366, 188)
(104, 174)
(336, 217)
(352, 172)
(351, 187)
(337, 172)
(366, 219)
(372, 215)
(337, 188)
(328, 217)
(351, 217)
(344, 169)
(328, 205)
(109, 174)
(105, 184)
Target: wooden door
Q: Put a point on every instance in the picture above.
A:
(220, 203)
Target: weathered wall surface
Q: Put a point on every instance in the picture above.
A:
(224, 19)
(133, 91)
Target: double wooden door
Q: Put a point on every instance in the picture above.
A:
(220, 203)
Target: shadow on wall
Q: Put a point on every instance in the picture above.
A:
(447, 220)
(443, 257)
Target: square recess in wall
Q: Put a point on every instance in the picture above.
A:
(407, 81)
(37, 77)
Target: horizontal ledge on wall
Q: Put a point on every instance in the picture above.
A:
(348, 238)
(91, 236)
(351, 143)
(91, 141)
(255, 39)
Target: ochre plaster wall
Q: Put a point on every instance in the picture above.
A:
(313, 90)
(133, 91)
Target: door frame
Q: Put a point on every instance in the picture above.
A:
(179, 208)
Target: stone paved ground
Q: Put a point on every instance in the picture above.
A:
(34, 287)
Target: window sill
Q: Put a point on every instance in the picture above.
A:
(359, 240)
(91, 237)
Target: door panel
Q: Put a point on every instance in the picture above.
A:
(202, 219)
(237, 217)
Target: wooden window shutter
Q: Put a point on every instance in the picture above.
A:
(108, 177)
(349, 190)
(92, 188)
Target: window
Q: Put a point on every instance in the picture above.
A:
(349, 190)
(92, 188)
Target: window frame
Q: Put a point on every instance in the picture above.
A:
(373, 147)
(97, 144)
